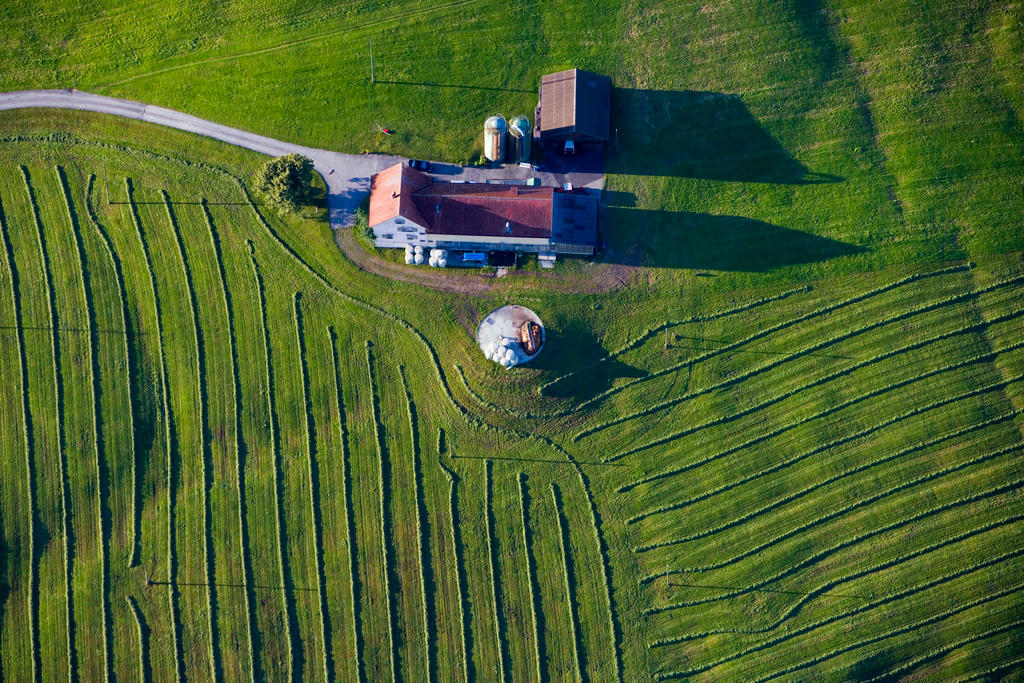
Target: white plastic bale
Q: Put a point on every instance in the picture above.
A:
(409, 258)
(442, 262)
(408, 249)
(418, 249)
(419, 258)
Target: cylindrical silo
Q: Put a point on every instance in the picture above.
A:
(495, 130)
(519, 130)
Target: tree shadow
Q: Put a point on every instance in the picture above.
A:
(708, 242)
(574, 353)
(694, 134)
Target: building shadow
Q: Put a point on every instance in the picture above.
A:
(708, 242)
(693, 134)
(573, 346)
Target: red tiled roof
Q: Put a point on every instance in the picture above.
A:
(470, 209)
(391, 194)
(486, 210)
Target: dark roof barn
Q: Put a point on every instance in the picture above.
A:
(574, 105)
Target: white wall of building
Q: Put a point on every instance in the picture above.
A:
(397, 232)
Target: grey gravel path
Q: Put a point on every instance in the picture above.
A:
(347, 175)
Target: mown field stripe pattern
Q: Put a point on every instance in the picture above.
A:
(253, 650)
(170, 444)
(206, 456)
(316, 518)
(354, 593)
(103, 537)
(422, 532)
(383, 487)
(67, 540)
(28, 439)
(985, 414)
(131, 372)
(294, 651)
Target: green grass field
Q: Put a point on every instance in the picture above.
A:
(788, 448)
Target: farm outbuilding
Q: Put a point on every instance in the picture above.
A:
(574, 105)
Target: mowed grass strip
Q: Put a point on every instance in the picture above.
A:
(316, 517)
(197, 456)
(386, 569)
(99, 480)
(285, 585)
(346, 525)
(228, 584)
(21, 605)
(170, 443)
(232, 465)
(452, 550)
(59, 624)
(118, 374)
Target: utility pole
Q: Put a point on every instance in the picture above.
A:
(372, 78)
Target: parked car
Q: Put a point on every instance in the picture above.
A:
(421, 165)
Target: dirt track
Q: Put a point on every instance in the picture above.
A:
(603, 277)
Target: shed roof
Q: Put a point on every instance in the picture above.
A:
(574, 104)
(574, 219)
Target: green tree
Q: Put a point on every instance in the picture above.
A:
(286, 182)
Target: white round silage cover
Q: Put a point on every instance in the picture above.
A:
(498, 335)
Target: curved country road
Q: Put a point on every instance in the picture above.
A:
(347, 177)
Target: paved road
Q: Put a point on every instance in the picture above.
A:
(347, 175)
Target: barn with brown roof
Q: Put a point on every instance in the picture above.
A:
(408, 207)
(574, 105)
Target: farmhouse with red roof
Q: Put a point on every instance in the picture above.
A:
(408, 207)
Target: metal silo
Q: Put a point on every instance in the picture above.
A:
(519, 130)
(495, 130)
